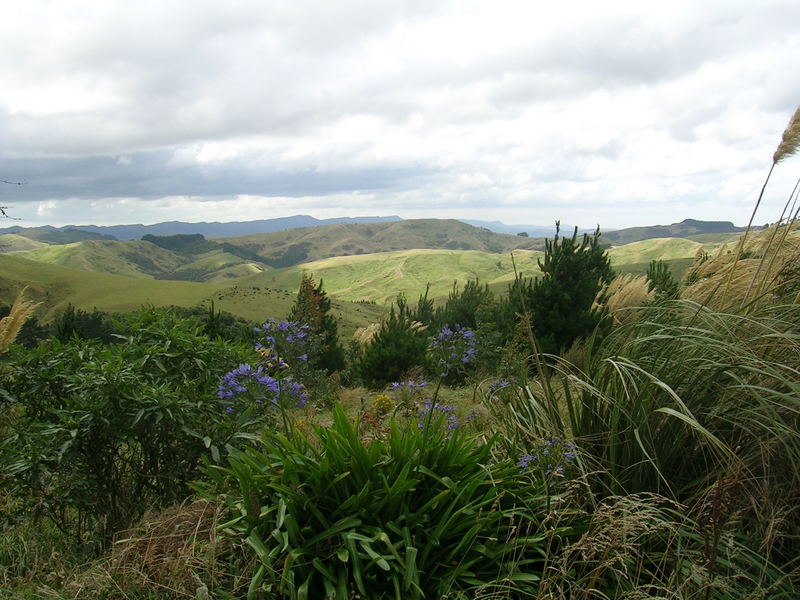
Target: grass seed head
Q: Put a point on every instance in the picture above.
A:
(791, 139)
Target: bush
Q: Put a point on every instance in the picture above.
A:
(312, 308)
(561, 300)
(102, 433)
(398, 346)
(421, 515)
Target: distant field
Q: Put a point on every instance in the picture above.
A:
(10, 242)
(248, 290)
(57, 286)
(381, 276)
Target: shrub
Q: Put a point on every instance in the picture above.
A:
(397, 347)
(102, 433)
(561, 301)
(312, 307)
(421, 515)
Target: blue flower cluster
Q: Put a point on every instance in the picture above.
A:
(282, 341)
(553, 458)
(448, 414)
(454, 348)
(246, 383)
(499, 384)
(413, 386)
(406, 394)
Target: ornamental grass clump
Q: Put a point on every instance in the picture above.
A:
(423, 514)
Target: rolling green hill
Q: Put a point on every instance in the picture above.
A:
(12, 242)
(381, 276)
(142, 259)
(130, 259)
(56, 286)
(684, 229)
(288, 248)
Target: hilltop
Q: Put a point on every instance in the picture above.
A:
(688, 228)
(288, 248)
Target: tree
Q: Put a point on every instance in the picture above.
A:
(561, 300)
(399, 346)
(661, 281)
(312, 308)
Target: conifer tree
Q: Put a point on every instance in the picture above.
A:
(561, 300)
(399, 345)
(312, 307)
(661, 281)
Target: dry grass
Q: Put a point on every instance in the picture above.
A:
(790, 141)
(176, 553)
(10, 325)
(723, 281)
(623, 295)
(363, 336)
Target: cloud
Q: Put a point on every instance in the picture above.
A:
(424, 109)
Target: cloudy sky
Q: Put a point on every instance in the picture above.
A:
(617, 113)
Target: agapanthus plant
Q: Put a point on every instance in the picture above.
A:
(407, 394)
(253, 388)
(283, 344)
(452, 350)
(552, 458)
(438, 414)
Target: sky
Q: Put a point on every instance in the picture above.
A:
(606, 113)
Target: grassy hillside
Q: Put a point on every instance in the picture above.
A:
(142, 259)
(130, 259)
(381, 276)
(56, 286)
(684, 229)
(654, 249)
(288, 248)
(11, 242)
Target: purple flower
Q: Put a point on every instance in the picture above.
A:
(448, 413)
(454, 348)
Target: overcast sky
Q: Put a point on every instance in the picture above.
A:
(610, 113)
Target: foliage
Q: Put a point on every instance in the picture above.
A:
(561, 300)
(398, 346)
(422, 515)
(682, 403)
(451, 352)
(661, 281)
(464, 306)
(74, 322)
(312, 307)
(103, 433)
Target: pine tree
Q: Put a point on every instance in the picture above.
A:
(398, 346)
(661, 281)
(312, 307)
(561, 300)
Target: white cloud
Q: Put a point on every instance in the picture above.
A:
(621, 113)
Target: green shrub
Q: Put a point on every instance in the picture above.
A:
(422, 515)
(398, 347)
(103, 433)
(560, 302)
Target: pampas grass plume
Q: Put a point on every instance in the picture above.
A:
(623, 294)
(10, 325)
(791, 139)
